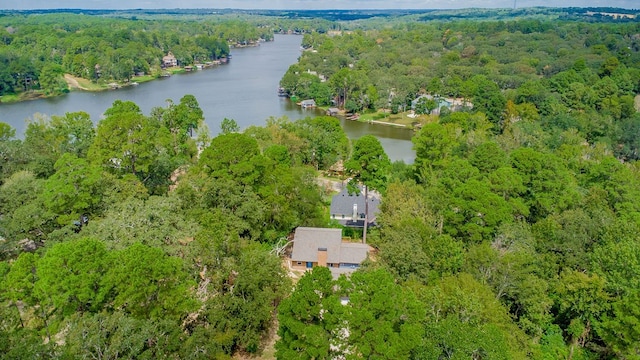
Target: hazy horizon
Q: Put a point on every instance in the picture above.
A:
(304, 4)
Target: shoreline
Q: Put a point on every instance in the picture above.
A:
(75, 83)
(366, 118)
(387, 123)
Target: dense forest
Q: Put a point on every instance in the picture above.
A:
(513, 235)
(554, 66)
(97, 240)
(37, 50)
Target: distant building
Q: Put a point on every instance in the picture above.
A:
(447, 103)
(324, 247)
(336, 169)
(441, 103)
(306, 104)
(348, 209)
(332, 111)
(169, 60)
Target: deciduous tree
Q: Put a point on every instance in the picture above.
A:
(369, 166)
(125, 140)
(310, 321)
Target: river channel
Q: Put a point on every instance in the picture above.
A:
(243, 90)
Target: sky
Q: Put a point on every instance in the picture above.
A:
(306, 4)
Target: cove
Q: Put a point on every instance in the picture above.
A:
(245, 90)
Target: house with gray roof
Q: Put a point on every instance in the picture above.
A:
(348, 209)
(307, 104)
(324, 247)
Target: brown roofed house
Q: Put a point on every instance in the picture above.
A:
(324, 247)
(169, 60)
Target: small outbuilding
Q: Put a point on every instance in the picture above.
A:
(332, 111)
(307, 104)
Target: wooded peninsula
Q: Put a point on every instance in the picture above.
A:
(515, 234)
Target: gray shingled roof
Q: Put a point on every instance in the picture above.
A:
(353, 253)
(342, 204)
(308, 240)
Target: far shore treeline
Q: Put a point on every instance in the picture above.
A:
(515, 234)
(37, 50)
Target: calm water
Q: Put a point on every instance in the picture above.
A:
(243, 90)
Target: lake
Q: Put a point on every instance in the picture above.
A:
(245, 90)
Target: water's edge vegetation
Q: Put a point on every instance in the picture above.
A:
(514, 235)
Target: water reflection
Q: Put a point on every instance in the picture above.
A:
(243, 90)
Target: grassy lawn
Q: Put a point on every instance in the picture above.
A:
(176, 70)
(144, 78)
(22, 96)
(88, 85)
(400, 118)
(394, 119)
(9, 98)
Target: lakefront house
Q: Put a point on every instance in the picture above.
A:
(169, 60)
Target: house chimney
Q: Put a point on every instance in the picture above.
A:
(354, 216)
(322, 257)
